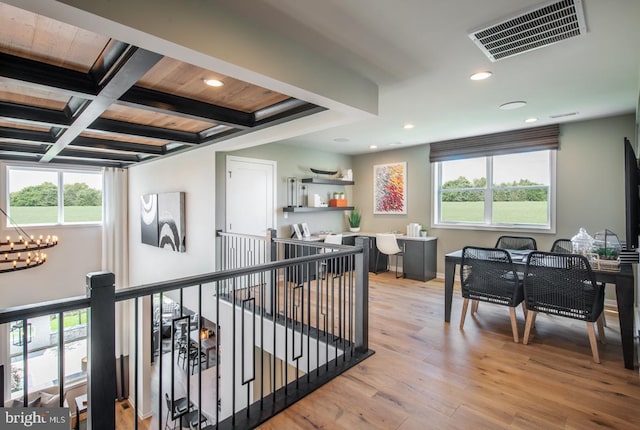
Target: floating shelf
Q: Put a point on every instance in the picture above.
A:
(325, 181)
(308, 209)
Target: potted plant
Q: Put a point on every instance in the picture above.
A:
(423, 232)
(354, 220)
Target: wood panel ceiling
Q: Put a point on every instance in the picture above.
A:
(73, 96)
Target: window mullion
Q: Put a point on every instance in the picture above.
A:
(60, 198)
(488, 193)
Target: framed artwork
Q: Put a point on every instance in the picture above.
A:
(305, 230)
(162, 220)
(296, 231)
(390, 188)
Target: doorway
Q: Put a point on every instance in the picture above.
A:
(250, 195)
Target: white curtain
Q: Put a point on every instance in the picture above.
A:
(115, 230)
(115, 245)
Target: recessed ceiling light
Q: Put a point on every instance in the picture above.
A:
(512, 105)
(480, 75)
(213, 82)
(531, 120)
(395, 144)
(373, 146)
(408, 126)
(341, 139)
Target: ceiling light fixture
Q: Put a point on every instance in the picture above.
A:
(529, 120)
(373, 146)
(25, 252)
(341, 139)
(512, 105)
(213, 82)
(480, 75)
(408, 126)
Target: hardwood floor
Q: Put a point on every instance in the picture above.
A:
(428, 374)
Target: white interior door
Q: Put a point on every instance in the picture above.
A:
(250, 192)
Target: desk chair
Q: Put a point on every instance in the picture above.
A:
(332, 239)
(387, 244)
(563, 285)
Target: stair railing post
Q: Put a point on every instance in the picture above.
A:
(362, 295)
(101, 384)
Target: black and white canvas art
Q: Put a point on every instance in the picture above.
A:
(162, 221)
(149, 219)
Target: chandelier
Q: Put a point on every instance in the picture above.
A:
(24, 251)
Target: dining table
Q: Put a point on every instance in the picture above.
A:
(623, 279)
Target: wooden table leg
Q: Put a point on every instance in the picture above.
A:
(449, 275)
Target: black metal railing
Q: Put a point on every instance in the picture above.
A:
(251, 340)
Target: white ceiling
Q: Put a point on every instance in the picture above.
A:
(419, 54)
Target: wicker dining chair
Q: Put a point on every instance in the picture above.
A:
(565, 246)
(489, 275)
(563, 285)
(562, 246)
(516, 243)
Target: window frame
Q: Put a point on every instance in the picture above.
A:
(60, 171)
(436, 180)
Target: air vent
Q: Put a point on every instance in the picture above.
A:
(547, 24)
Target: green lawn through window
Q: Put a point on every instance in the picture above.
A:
(25, 215)
(503, 212)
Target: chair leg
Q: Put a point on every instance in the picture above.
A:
(594, 344)
(514, 324)
(600, 323)
(377, 257)
(474, 306)
(531, 316)
(465, 304)
(524, 309)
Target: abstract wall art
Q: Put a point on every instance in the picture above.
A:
(162, 220)
(390, 188)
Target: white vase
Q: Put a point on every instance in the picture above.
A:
(354, 229)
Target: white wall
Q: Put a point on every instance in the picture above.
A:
(590, 186)
(292, 161)
(78, 252)
(192, 172)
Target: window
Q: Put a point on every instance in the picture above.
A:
(43, 363)
(48, 196)
(505, 191)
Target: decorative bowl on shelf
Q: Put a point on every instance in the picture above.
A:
(323, 172)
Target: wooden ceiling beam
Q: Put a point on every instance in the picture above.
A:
(35, 115)
(79, 153)
(47, 76)
(26, 135)
(144, 98)
(130, 129)
(129, 70)
(117, 145)
(28, 149)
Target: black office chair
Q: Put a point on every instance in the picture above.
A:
(177, 407)
(563, 285)
(562, 246)
(489, 275)
(516, 243)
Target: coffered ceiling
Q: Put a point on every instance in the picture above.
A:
(68, 95)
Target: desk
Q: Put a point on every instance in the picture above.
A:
(419, 260)
(623, 280)
(81, 408)
(208, 344)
